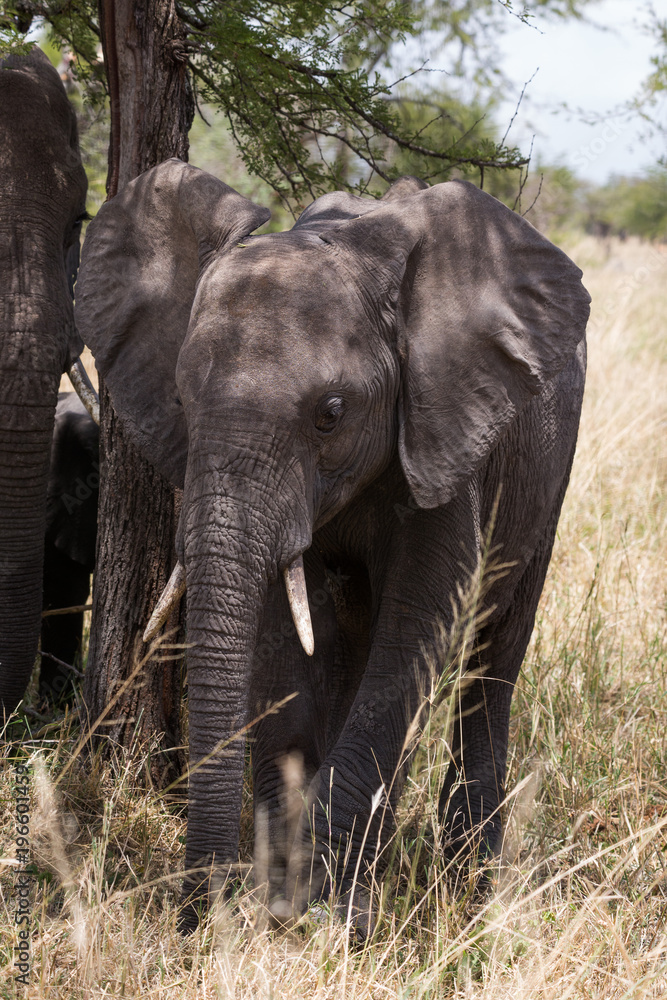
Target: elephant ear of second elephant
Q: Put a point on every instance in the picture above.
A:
(485, 310)
(139, 268)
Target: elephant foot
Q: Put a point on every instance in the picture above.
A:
(470, 846)
(469, 836)
(282, 915)
(354, 908)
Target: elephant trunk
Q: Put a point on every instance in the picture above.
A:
(31, 362)
(235, 542)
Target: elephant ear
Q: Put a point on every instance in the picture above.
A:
(486, 311)
(141, 260)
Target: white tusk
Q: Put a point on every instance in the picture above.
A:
(171, 595)
(297, 594)
(84, 389)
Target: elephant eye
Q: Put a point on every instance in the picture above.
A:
(329, 412)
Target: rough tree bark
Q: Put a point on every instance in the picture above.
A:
(151, 112)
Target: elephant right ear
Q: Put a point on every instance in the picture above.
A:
(483, 312)
(141, 260)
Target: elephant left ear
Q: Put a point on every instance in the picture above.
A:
(485, 310)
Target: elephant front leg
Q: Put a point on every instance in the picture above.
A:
(288, 745)
(353, 798)
(474, 788)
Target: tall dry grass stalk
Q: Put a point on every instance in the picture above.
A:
(579, 905)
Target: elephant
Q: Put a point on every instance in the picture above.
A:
(346, 406)
(42, 207)
(70, 539)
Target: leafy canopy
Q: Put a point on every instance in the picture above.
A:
(302, 82)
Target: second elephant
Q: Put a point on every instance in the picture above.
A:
(69, 546)
(354, 396)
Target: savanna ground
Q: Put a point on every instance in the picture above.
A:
(579, 905)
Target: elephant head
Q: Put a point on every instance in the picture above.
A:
(42, 204)
(276, 377)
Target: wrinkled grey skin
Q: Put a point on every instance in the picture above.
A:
(42, 199)
(69, 543)
(356, 389)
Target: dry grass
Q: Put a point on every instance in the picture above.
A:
(579, 906)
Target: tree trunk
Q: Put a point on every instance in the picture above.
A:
(151, 113)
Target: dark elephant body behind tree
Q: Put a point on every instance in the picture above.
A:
(42, 202)
(69, 544)
(361, 395)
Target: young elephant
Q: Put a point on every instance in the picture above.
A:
(69, 546)
(349, 397)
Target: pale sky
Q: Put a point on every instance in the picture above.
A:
(585, 67)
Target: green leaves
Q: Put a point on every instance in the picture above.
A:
(13, 26)
(305, 110)
(288, 78)
(299, 83)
